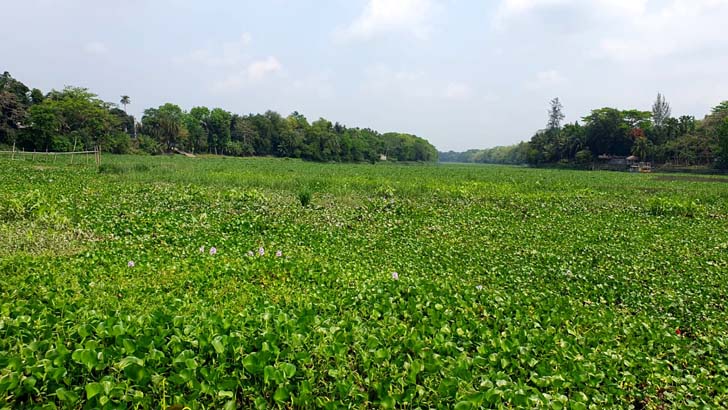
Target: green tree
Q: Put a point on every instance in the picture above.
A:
(165, 125)
(70, 117)
(12, 116)
(660, 111)
(642, 148)
(608, 130)
(556, 115)
(125, 100)
(219, 130)
(14, 103)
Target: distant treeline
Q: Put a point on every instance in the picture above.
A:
(653, 136)
(75, 118)
(511, 154)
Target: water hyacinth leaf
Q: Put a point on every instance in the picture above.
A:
(288, 369)
(219, 347)
(518, 287)
(66, 395)
(281, 394)
(92, 389)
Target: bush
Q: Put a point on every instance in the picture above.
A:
(61, 144)
(148, 145)
(305, 197)
(119, 143)
(671, 207)
(111, 169)
(234, 148)
(583, 157)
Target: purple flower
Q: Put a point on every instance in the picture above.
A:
(130, 264)
(250, 253)
(202, 249)
(213, 250)
(261, 251)
(395, 275)
(279, 254)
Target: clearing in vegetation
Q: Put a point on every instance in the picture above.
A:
(156, 282)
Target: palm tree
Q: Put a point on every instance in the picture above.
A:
(641, 148)
(125, 100)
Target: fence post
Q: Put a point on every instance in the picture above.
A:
(74, 150)
(13, 155)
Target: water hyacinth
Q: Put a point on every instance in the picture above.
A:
(130, 264)
(202, 249)
(395, 275)
(250, 253)
(213, 250)
(279, 254)
(479, 287)
(261, 251)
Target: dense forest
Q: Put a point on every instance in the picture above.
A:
(74, 118)
(654, 136)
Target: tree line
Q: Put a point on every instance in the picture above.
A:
(653, 136)
(75, 118)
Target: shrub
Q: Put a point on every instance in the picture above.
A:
(148, 145)
(119, 143)
(672, 207)
(583, 157)
(304, 197)
(111, 169)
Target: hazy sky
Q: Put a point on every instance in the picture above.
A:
(461, 73)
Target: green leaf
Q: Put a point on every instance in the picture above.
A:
(288, 369)
(217, 344)
(269, 374)
(281, 394)
(463, 405)
(66, 395)
(92, 389)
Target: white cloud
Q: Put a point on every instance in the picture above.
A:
(381, 80)
(509, 9)
(680, 25)
(634, 30)
(258, 70)
(317, 84)
(546, 79)
(380, 16)
(458, 91)
(253, 73)
(95, 48)
(228, 54)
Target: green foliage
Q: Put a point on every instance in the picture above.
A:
(76, 118)
(584, 156)
(651, 136)
(513, 154)
(304, 197)
(517, 287)
(673, 207)
(148, 145)
(722, 134)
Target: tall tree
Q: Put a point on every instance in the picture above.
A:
(219, 129)
(125, 100)
(165, 124)
(660, 111)
(556, 114)
(73, 115)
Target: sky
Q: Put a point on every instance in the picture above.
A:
(461, 73)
